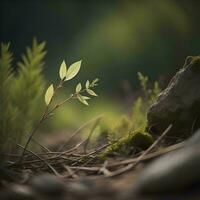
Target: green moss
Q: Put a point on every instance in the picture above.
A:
(125, 139)
(134, 141)
(128, 135)
(142, 140)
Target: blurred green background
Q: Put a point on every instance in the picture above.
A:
(115, 39)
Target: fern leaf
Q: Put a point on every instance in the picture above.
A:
(29, 87)
(7, 111)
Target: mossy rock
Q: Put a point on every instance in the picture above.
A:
(142, 140)
(132, 142)
(179, 103)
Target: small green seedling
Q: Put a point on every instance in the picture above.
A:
(65, 74)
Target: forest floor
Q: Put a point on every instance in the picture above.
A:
(79, 172)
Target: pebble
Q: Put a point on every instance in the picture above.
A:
(48, 185)
(19, 192)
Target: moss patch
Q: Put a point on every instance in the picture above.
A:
(132, 142)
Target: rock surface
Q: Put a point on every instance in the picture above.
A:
(179, 103)
(175, 173)
(47, 185)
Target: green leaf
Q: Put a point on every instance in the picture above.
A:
(63, 70)
(91, 92)
(78, 88)
(85, 97)
(82, 100)
(73, 70)
(87, 84)
(94, 82)
(49, 94)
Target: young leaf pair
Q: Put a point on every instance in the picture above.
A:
(68, 74)
(65, 75)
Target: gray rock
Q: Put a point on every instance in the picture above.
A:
(175, 172)
(48, 185)
(82, 189)
(20, 192)
(179, 103)
(194, 140)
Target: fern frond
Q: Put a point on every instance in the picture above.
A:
(29, 87)
(7, 112)
(5, 63)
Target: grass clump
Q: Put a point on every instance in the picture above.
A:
(128, 135)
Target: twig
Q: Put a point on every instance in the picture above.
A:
(78, 131)
(89, 169)
(90, 135)
(130, 166)
(30, 138)
(72, 149)
(104, 169)
(70, 171)
(42, 146)
(90, 154)
(43, 160)
(83, 166)
(193, 125)
(148, 156)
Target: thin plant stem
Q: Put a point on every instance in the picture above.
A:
(47, 113)
(43, 118)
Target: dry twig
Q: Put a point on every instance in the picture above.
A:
(131, 165)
